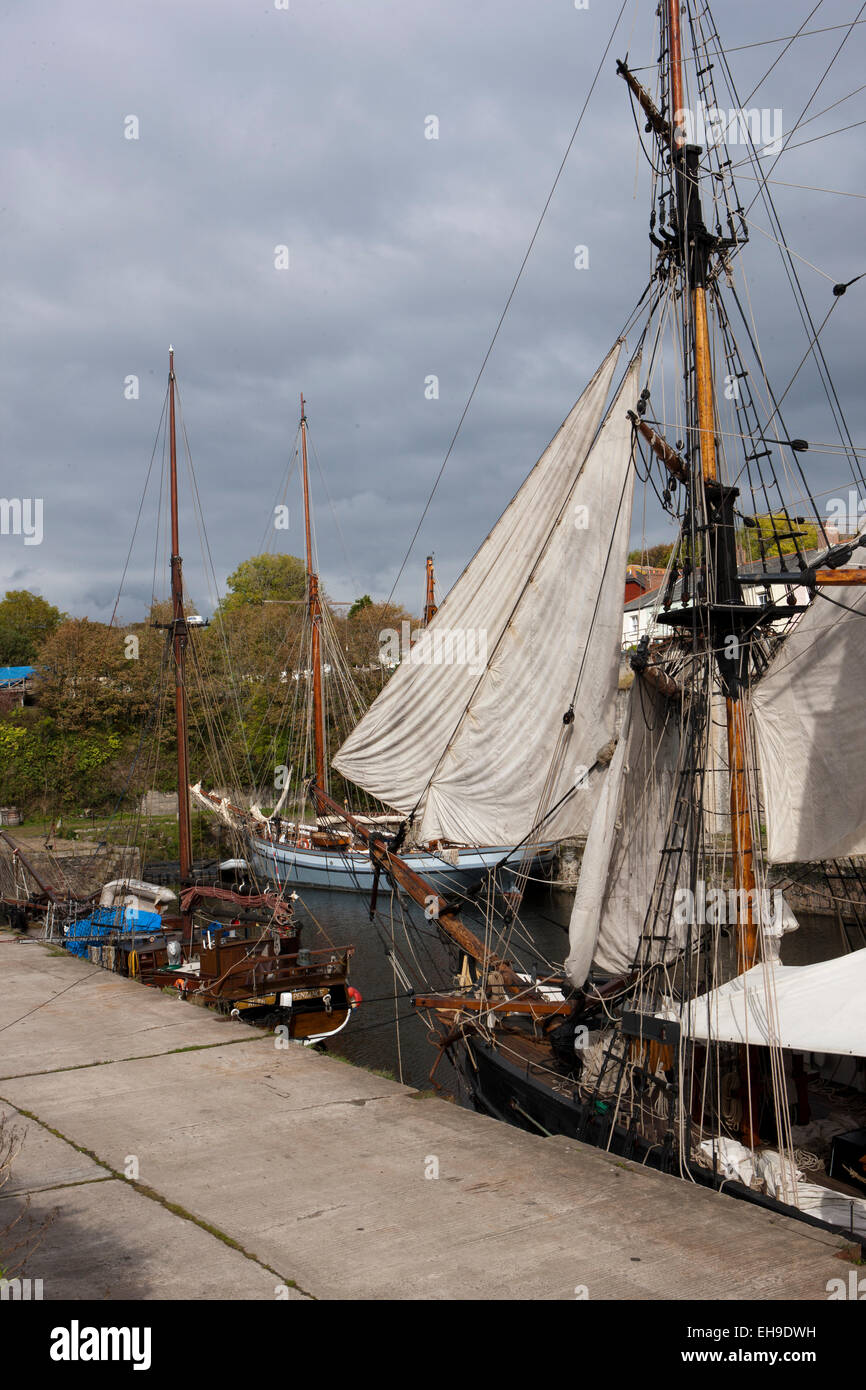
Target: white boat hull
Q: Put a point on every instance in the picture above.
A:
(352, 871)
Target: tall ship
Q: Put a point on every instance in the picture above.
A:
(692, 1023)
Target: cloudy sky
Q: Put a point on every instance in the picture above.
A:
(260, 127)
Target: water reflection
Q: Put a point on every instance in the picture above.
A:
(374, 1039)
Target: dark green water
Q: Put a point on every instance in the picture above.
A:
(372, 1038)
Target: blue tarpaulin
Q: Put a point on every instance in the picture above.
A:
(10, 674)
(92, 930)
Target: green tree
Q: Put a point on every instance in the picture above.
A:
(754, 538)
(263, 578)
(93, 675)
(361, 633)
(656, 556)
(25, 622)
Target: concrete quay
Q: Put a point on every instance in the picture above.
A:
(186, 1157)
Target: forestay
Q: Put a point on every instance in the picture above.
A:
(811, 732)
(465, 731)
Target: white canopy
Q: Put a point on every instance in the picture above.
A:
(811, 731)
(811, 1008)
(468, 744)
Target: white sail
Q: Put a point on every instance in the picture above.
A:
(808, 717)
(626, 838)
(464, 732)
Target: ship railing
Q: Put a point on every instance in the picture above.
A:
(327, 961)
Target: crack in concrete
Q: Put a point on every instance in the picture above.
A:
(329, 1104)
(151, 1193)
(52, 1187)
(137, 1057)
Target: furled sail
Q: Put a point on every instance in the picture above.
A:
(811, 734)
(464, 732)
(626, 838)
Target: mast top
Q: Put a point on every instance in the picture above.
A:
(676, 72)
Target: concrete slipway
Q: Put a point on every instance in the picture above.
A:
(268, 1173)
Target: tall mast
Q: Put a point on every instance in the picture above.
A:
(180, 637)
(719, 550)
(430, 599)
(315, 610)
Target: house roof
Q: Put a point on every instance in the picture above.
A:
(771, 567)
(645, 574)
(10, 675)
(773, 563)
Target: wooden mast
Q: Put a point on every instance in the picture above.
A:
(676, 62)
(718, 532)
(430, 599)
(315, 611)
(695, 268)
(180, 638)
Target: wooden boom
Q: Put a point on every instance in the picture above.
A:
(832, 578)
(421, 892)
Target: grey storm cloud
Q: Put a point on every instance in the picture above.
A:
(259, 127)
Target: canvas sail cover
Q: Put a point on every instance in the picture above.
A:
(626, 838)
(811, 733)
(464, 732)
(811, 1008)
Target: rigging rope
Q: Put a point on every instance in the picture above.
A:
(511, 295)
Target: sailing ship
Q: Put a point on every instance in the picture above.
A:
(239, 951)
(673, 1032)
(320, 850)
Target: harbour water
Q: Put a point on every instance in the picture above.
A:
(386, 1033)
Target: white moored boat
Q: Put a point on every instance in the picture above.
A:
(350, 869)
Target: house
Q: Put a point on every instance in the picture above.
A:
(638, 613)
(642, 579)
(16, 681)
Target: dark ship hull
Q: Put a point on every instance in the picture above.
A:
(515, 1091)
